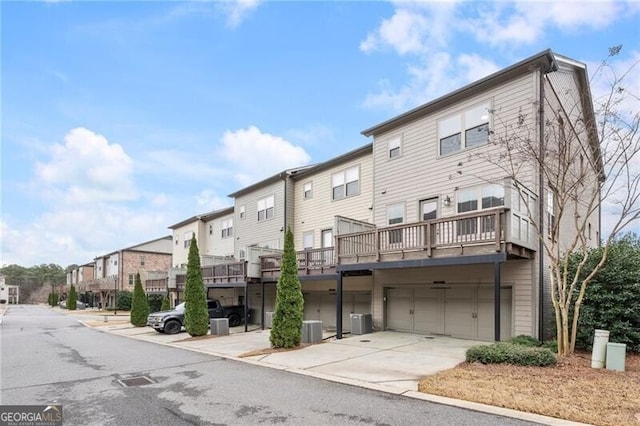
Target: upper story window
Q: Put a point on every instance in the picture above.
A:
(308, 190)
(466, 129)
(243, 211)
(187, 238)
(394, 147)
(395, 216)
(227, 228)
(551, 217)
(479, 198)
(141, 260)
(346, 183)
(265, 208)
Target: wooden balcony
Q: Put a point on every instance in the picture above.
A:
(310, 262)
(470, 233)
(99, 284)
(156, 285)
(226, 273)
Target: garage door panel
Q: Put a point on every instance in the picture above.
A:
(311, 306)
(486, 313)
(458, 320)
(428, 311)
(399, 305)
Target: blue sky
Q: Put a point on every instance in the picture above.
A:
(122, 118)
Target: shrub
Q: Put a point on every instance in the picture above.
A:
(72, 301)
(139, 306)
(552, 345)
(196, 313)
(612, 299)
(287, 318)
(509, 353)
(524, 340)
(124, 300)
(166, 305)
(155, 302)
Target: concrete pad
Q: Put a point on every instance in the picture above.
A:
(316, 355)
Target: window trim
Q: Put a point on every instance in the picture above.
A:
(306, 191)
(226, 228)
(343, 176)
(394, 145)
(464, 125)
(266, 208)
(307, 234)
(242, 211)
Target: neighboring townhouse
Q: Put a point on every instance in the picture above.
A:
(454, 251)
(116, 271)
(215, 237)
(9, 293)
(80, 277)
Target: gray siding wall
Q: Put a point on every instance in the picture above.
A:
(214, 244)
(420, 173)
(318, 213)
(290, 206)
(249, 231)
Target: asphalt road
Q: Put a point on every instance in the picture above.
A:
(48, 357)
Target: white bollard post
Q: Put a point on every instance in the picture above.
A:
(599, 353)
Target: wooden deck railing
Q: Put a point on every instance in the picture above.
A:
(156, 285)
(310, 261)
(477, 228)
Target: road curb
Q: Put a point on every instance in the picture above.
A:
(458, 403)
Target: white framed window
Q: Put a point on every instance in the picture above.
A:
(395, 216)
(141, 260)
(478, 198)
(307, 240)
(551, 218)
(187, 238)
(265, 208)
(308, 190)
(227, 228)
(243, 211)
(463, 130)
(429, 209)
(132, 281)
(394, 148)
(346, 183)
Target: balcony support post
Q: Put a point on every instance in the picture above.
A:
(496, 299)
(339, 306)
(262, 310)
(246, 306)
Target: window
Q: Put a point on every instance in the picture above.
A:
(308, 190)
(141, 260)
(551, 218)
(132, 280)
(479, 198)
(227, 228)
(307, 240)
(187, 238)
(243, 211)
(394, 148)
(346, 183)
(395, 216)
(429, 209)
(176, 241)
(464, 130)
(265, 208)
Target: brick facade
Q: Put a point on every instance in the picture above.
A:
(142, 262)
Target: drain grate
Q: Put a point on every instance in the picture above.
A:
(135, 381)
(365, 341)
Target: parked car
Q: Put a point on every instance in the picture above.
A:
(171, 322)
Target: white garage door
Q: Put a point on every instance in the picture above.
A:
(462, 311)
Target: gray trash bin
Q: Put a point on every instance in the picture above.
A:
(361, 324)
(219, 326)
(268, 319)
(311, 331)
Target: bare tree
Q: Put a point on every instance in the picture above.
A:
(588, 157)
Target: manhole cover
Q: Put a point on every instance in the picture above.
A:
(365, 341)
(428, 337)
(135, 381)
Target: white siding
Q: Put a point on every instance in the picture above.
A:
(214, 244)
(419, 173)
(180, 253)
(249, 231)
(318, 213)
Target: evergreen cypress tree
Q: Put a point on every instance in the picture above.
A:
(196, 314)
(166, 305)
(139, 306)
(287, 319)
(73, 299)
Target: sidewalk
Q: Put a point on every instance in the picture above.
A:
(385, 361)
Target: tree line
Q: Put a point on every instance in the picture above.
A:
(31, 279)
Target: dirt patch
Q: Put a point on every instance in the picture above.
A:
(196, 338)
(110, 322)
(267, 351)
(570, 390)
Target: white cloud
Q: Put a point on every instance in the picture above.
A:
(208, 200)
(430, 80)
(256, 155)
(181, 164)
(238, 10)
(86, 169)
